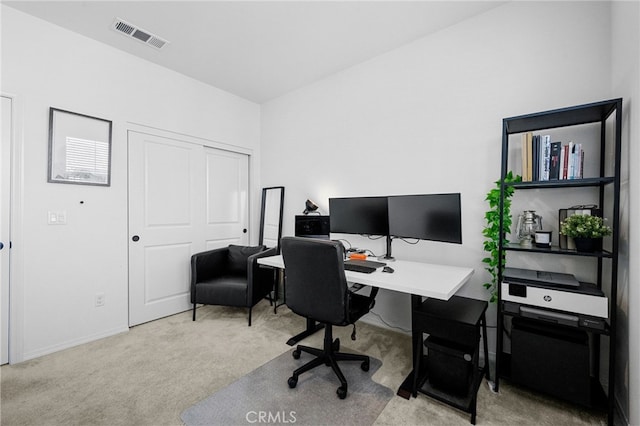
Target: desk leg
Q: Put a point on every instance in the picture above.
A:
(487, 366)
(312, 327)
(407, 387)
(416, 301)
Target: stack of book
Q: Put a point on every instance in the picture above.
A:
(545, 160)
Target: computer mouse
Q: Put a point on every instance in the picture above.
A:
(387, 269)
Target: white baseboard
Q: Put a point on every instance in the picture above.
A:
(71, 343)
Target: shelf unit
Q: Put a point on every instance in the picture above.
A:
(606, 113)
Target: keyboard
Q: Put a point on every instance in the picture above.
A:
(358, 268)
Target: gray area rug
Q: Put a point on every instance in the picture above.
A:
(263, 396)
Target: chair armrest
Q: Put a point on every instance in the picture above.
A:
(362, 303)
(208, 264)
(252, 261)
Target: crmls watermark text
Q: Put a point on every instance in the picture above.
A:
(270, 417)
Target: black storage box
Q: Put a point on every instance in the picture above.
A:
(451, 366)
(551, 359)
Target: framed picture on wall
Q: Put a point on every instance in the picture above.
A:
(79, 148)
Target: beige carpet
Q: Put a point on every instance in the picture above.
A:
(310, 403)
(149, 375)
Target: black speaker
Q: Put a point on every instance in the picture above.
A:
(551, 359)
(313, 226)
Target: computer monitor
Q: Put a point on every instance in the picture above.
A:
(359, 215)
(434, 217)
(312, 226)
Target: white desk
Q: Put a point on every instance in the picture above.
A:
(415, 278)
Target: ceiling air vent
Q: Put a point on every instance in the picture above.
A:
(139, 34)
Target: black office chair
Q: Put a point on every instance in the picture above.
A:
(316, 288)
(231, 276)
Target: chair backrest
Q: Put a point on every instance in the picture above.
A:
(315, 284)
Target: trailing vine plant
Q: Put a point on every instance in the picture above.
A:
(494, 234)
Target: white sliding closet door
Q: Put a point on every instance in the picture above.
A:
(227, 180)
(183, 198)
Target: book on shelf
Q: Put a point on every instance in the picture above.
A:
(535, 155)
(544, 160)
(545, 157)
(554, 163)
(564, 161)
(575, 161)
(527, 157)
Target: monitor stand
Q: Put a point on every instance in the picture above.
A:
(387, 257)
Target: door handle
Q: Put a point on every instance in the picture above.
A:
(244, 231)
(135, 238)
(1, 245)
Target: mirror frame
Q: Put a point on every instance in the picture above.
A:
(265, 193)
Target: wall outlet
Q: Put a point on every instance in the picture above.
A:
(99, 299)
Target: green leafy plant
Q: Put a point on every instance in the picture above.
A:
(492, 232)
(584, 226)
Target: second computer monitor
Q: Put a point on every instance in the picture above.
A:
(435, 217)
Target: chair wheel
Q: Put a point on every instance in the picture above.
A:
(342, 392)
(336, 345)
(293, 381)
(365, 365)
(296, 354)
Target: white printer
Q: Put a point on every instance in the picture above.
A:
(554, 297)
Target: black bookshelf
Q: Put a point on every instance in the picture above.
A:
(605, 113)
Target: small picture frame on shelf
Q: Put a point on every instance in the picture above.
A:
(565, 242)
(79, 149)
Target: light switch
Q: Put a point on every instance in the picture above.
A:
(57, 217)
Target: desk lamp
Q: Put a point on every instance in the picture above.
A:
(310, 207)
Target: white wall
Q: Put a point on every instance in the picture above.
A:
(427, 118)
(626, 83)
(60, 269)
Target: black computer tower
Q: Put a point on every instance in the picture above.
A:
(551, 359)
(450, 365)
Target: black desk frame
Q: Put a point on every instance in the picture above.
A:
(416, 380)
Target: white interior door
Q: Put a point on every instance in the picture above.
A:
(183, 198)
(227, 180)
(5, 195)
(166, 213)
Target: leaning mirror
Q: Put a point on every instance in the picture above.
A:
(271, 216)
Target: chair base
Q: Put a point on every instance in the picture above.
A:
(328, 356)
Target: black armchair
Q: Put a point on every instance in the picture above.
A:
(231, 276)
(316, 288)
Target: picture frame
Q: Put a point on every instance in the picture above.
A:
(79, 148)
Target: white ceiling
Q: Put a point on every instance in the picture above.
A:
(258, 50)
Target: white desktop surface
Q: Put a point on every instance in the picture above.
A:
(422, 279)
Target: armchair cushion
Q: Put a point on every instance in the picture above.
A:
(238, 256)
(228, 290)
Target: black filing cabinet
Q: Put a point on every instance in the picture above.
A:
(449, 369)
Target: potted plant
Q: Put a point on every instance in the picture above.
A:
(586, 230)
(492, 232)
